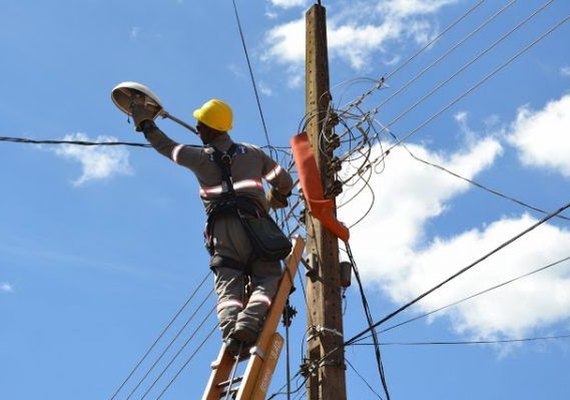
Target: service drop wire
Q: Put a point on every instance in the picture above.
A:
(162, 334)
(460, 272)
(172, 341)
(370, 321)
(455, 303)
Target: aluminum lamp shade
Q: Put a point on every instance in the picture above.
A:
(124, 93)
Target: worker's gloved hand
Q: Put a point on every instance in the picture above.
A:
(143, 112)
(276, 199)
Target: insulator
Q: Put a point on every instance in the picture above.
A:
(335, 164)
(334, 189)
(333, 142)
(332, 120)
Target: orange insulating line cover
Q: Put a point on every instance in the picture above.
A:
(310, 179)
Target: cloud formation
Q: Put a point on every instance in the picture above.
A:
(6, 287)
(97, 162)
(358, 30)
(402, 261)
(288, 3)
(542, 137)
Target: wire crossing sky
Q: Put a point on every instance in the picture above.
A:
(439, 104)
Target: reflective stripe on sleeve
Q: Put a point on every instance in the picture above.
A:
(175, 152)
(273, 173)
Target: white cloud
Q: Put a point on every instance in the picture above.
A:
(135, 32)
(565, 71)
(98, 162)
(288, 3)
(265, 89)
(359, 31)
(542, 137)
(402, 262)
(6, 287)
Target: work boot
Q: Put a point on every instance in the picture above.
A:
(245, 335)
(234, 347)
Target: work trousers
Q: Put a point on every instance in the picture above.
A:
(231, 261)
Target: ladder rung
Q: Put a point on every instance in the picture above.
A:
(229, 382)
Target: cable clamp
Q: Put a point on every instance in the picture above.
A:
(318, 330)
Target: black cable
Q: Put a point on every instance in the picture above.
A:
(368, 314)
(362, 378)
(460, 272)
(476, 184)
(480, 82)
(467, 342)
(180, 351)
(141, 380)
(73, 142)
(251, 75)
(188, 361)
(469, 63)
(161, 335)
(472, 296)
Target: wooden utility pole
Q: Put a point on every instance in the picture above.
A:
(325, 354)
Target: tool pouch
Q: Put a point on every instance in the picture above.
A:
(267, 239)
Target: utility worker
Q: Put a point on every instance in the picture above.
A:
(232, 254)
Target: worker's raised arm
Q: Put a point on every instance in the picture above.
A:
(185, 155)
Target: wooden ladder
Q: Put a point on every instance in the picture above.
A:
(254, 383)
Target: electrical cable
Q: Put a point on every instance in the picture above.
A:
(381, 81)
(468, 342)
(479, 83)
(180, 351)
(188, 361)
(458, 273)
(170, 344)
(252, 77)
(161, 335)
(490, 289)
(469, 63)
(71, 142)
(362, 378)
(370, 321)
(477, 184)
(446, 53)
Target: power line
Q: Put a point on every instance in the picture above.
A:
(471, 62)
(458, 273)
(180, 351)
(467, 342)
(381, 81)
(70, 142)
(472, 296)
(479, 83)
(362, 378)
(370, 322)
(447, 53)
(474, 183)
(170, 344)
(161, 335)
(251, 74)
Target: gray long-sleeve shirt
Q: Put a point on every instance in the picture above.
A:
(250, 166)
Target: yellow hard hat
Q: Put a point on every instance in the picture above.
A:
(216, 114)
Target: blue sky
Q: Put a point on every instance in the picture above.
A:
(99, 247)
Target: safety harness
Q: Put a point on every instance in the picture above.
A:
(268, 241)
